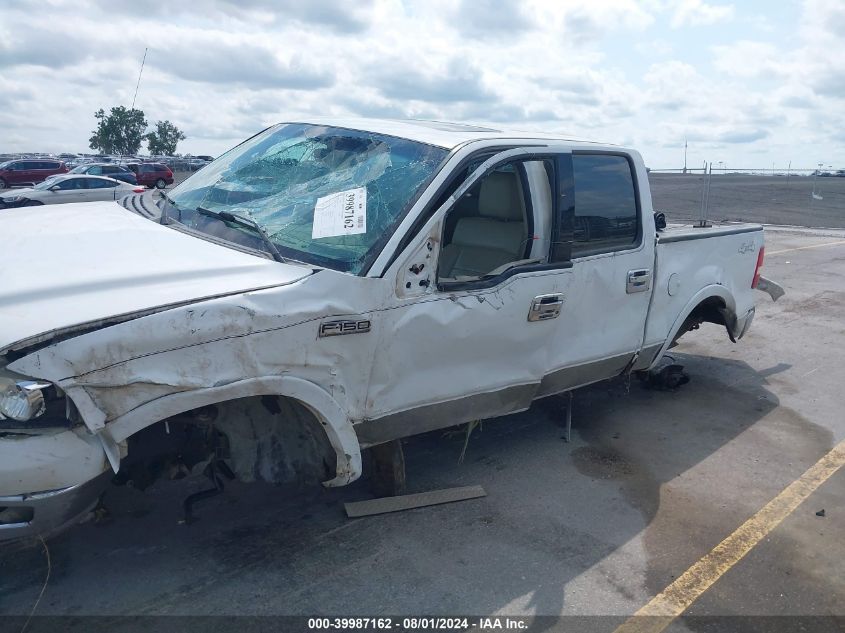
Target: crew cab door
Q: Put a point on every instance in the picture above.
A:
(476, 302)
(612, 254)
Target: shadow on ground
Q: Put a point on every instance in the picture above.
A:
(578, 527)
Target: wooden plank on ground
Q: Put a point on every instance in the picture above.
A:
(407, 502)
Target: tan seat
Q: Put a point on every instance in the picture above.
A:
(496, 236)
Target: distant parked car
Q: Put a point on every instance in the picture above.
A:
(106, 169)
(29, 171)
(152, 174)
(69, 188)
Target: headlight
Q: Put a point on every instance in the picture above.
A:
(22, 400)
(12, 199)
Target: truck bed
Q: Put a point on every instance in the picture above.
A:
(693, 265)
(685, 232)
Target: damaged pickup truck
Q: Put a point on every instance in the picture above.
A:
(330, 286)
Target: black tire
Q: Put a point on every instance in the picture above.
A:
(160, 184)
(33, 203)
(3, 184)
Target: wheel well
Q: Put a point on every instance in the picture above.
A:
(711, 310)
(262, 438)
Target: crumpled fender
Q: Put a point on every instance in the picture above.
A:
(334, 421)
(713, 290)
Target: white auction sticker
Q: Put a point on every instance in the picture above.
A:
(342, 213)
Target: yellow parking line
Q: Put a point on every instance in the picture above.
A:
(677, 597)
(801, 248)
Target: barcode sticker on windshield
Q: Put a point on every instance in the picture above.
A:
(342, 213)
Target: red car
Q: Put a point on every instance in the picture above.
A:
(152, 174)
(29, 171)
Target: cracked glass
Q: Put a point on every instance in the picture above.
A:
(279, 177)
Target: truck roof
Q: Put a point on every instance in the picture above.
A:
(440, 133)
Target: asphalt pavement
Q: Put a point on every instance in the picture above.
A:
(651, 482)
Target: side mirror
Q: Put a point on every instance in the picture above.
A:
(54, 188)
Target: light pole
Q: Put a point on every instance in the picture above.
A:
(815, 175)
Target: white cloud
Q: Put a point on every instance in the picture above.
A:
(751, 59)
(699, 13)
(584, 22)
(607, 70)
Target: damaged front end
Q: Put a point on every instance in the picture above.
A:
(263, 438)
(52, 469)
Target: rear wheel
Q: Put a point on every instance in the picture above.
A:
(160, 184)
(3, 184)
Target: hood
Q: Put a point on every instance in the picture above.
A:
(70, 266)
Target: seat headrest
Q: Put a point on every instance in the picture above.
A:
(500, 197)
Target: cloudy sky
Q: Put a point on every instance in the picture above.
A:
(749, 83)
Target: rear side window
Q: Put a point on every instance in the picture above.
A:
(101, 183)
(72, 184)
(605, 204)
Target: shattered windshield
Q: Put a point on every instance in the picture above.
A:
(323, 195)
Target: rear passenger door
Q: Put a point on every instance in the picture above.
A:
(101, 189)
(47, 168)
(601, 329)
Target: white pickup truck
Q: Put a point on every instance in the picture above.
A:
(330, 286)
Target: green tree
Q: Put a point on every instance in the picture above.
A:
(164, 139)
(119, 132)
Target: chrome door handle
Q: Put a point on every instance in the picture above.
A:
(545, 307)
(638, 280)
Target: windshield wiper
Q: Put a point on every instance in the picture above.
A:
(234, 218)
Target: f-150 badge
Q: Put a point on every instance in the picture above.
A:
(346, 326)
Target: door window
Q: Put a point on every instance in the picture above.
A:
(71, 184)
(489, 228)
(101, 183)
(606, 217)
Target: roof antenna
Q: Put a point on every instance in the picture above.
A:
(139, 78)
